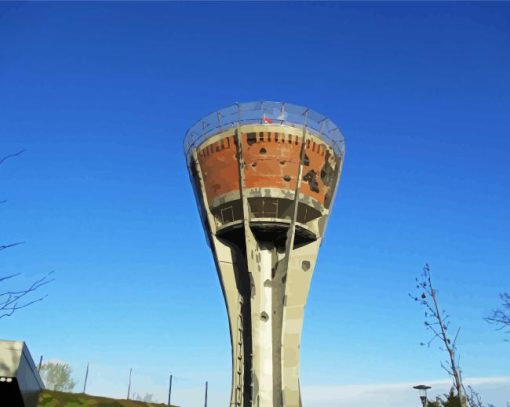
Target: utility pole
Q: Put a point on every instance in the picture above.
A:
(129, 385)
(86, 377)
(40, 364)
(205, 394)
(170, 390)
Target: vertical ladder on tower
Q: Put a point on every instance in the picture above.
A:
(240, 356)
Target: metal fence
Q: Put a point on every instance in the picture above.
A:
(264, 112)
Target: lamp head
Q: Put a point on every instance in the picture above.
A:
(422, 391)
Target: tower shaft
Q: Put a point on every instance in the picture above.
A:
(264, 193)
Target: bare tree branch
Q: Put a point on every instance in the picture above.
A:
(11, 301)
(5, 158)
(501, 316)
(8, 277)
(6, 246)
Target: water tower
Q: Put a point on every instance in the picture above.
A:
(265, 176)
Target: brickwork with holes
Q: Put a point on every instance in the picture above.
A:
(272, 161)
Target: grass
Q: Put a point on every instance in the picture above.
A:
(50, 398)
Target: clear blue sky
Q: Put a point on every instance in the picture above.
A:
(101, 94)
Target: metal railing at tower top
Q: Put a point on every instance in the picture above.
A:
(264, 113)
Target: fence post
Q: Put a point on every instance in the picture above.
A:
(170, 390)
(129, 385)
(86, 377)
(206, 393)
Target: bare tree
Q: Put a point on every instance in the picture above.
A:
(13, 300)
(437, 321)
(501, 316)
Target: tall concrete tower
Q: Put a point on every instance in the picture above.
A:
(265, 176)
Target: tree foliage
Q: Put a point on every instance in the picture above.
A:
(452, 400)
(57, 376)
(147, 398)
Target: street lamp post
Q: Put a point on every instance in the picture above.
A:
(422, 391)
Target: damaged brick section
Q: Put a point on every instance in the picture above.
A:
(311, 178)
(327, 172)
